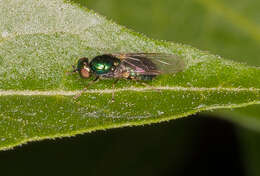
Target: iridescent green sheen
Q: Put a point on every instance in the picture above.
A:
(101, 67)
(102, 64)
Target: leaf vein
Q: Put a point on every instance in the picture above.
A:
(71, 93)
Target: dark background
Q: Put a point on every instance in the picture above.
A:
(196, 145)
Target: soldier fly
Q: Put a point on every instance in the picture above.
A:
(134, 66)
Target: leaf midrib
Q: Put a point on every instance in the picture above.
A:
(71, 93)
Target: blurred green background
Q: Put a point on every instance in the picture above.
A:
(198, 145)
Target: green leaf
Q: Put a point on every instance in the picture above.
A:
(42, 39)
(228, 28)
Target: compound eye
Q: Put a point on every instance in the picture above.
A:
(85, 72)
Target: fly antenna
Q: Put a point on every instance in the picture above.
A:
(74, 69)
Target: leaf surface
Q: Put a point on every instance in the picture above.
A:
(40, 40)
(228, 28)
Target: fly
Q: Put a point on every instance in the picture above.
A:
(134, 66)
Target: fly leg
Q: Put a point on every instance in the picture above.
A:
(85, 89)
(113, 92)
(73, 71)
(151, 87)
(146, 85)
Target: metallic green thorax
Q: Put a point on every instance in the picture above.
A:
(103, 65)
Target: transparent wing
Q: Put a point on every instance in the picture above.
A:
(152, 63)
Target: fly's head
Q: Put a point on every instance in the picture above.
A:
(83, 68)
